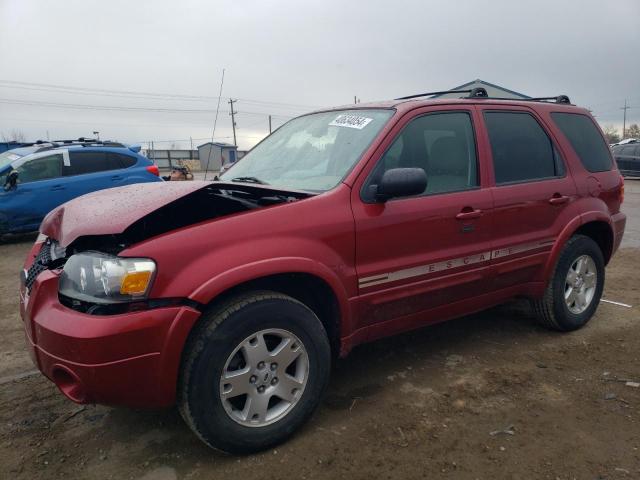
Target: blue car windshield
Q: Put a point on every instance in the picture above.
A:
(11, 156)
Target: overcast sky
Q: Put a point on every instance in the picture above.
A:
(130, 69)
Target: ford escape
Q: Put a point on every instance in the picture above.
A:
(231, 298)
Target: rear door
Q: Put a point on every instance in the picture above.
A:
(532, 191)
(416, 254)
(91, 170)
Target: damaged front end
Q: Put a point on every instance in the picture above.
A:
(83, 247)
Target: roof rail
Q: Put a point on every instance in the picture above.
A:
(80, 142)
(428, 94)
(480, 92)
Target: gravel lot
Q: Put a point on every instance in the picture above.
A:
(483, 397)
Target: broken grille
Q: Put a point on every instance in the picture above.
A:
(43, 261)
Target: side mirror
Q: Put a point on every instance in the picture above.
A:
(400, 182)
(12, 180)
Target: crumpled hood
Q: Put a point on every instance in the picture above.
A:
(141, 211)
(111, 211)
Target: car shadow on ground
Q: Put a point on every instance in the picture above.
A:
(364, 373)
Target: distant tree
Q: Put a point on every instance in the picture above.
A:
(611, 134)
(633, 131)
(14, 136)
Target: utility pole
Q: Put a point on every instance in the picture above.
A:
(624, 118)
(233, 119)
(269, 124)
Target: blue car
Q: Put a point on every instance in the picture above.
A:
(37, 178)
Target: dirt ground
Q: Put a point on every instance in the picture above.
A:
(489, 396)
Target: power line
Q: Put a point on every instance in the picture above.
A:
(119, 107)
(137, 94)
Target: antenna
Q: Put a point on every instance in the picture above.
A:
(215, 122)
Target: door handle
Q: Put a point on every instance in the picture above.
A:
(558, 199)
(56, 188)
(116, 177)
(468, 213)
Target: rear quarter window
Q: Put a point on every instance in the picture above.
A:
(125, 161)
(585, 139)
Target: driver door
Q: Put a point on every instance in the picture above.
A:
(424, 257)
(38, 191)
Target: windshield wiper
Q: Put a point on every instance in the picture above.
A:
(249, 180)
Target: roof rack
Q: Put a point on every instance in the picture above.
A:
(480, 92)
(82, 141)
(473, 93)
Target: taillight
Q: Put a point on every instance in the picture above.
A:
(153, 169)
(621, 195)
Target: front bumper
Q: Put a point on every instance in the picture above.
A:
(130, 359)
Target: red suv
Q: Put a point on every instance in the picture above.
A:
(230, 298)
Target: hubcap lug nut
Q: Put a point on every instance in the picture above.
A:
(261, 389)
(253, 379)
(274, 366)
(274, 380)
(261, 365)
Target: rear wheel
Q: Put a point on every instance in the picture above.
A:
(574, 292)
(253, 372)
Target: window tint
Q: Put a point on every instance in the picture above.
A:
(585, 139)
(124, 161)
(41, 168)
(90, 162)
(628, 150)
(443, 145)
(521, 149)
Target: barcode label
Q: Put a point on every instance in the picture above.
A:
(351, 121)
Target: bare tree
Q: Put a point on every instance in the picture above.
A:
(14, 136)
(633, 131)
(611, 134)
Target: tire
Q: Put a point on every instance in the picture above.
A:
(227, 341)
(556, 312)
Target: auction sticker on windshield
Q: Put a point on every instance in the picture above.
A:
(351, 121)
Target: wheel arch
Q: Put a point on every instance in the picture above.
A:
(594, 225)
(306, 280)
(312, 290)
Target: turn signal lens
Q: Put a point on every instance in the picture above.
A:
(154, 169)
(621, 189)
(135, 283)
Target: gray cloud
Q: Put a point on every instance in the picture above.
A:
(286, 57)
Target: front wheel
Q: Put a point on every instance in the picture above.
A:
(253, 372)
(574, 291)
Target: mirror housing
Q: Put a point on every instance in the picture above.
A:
(400, 182)
(12, 180)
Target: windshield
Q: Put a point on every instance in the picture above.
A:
(313, 152)
(8, 157)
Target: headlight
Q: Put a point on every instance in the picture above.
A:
(99, 278)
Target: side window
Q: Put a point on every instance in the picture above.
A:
(443, 145)
(41, 168)
(637, 151)
(83, 162)
(585, 139)
(628, 150)
(520, 148)
(120, 160)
